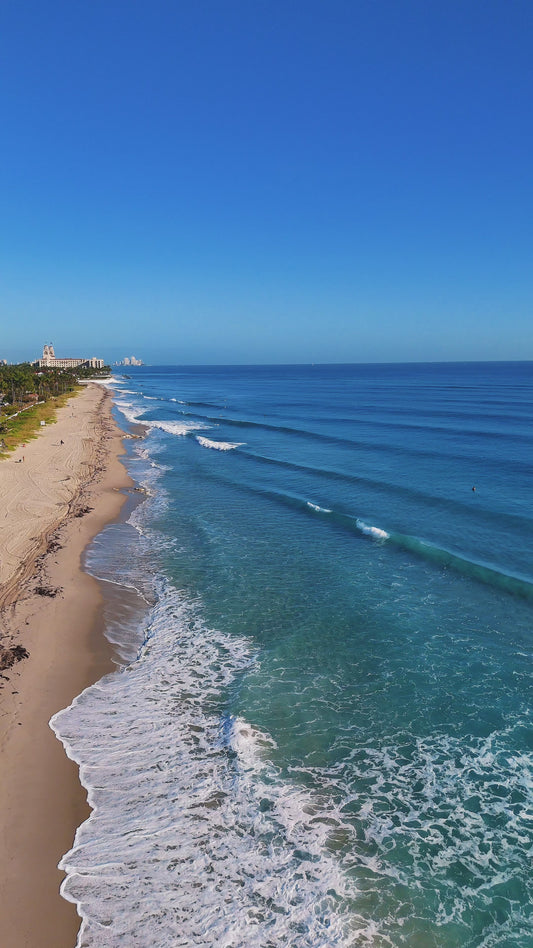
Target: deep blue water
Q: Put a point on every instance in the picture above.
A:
(325, 738)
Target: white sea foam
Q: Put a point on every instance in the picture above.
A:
(176, 427)
(370, 531)
(196, 836)
(131, 412)
(193, 839)
(454, 804)
(218, 445)
(317, 508)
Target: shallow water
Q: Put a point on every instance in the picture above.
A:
(322, 735)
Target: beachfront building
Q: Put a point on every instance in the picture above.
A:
(49, 361)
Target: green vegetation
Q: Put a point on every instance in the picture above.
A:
(29, 395)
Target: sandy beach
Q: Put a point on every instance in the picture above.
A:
(52, 503)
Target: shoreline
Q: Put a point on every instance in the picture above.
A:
(53, 609)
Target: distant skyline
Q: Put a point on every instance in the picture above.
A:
(243, 181)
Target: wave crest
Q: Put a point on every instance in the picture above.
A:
(317, 508)
(376, 532)
(180, 428)
(218, 445)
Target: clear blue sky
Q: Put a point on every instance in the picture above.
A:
(267, 180)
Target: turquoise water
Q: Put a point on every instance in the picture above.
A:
(324, 737)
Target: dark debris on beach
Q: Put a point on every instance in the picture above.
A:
(50, 591)
(82, 511)
(10, 656)
(54, 546)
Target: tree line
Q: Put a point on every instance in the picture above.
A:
(18, 383)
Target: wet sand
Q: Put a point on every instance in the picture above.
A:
(51, 505)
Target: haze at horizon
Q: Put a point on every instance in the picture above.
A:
(262, 183)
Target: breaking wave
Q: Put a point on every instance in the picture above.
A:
(218, 445)
(180, 428)
(317, 508)
(376, 532)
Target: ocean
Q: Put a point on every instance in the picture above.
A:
(320, 733)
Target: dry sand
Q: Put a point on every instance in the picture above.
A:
(45, 524)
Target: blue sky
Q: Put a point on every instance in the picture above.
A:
(267, 180)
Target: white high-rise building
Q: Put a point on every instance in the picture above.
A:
(130, 360)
